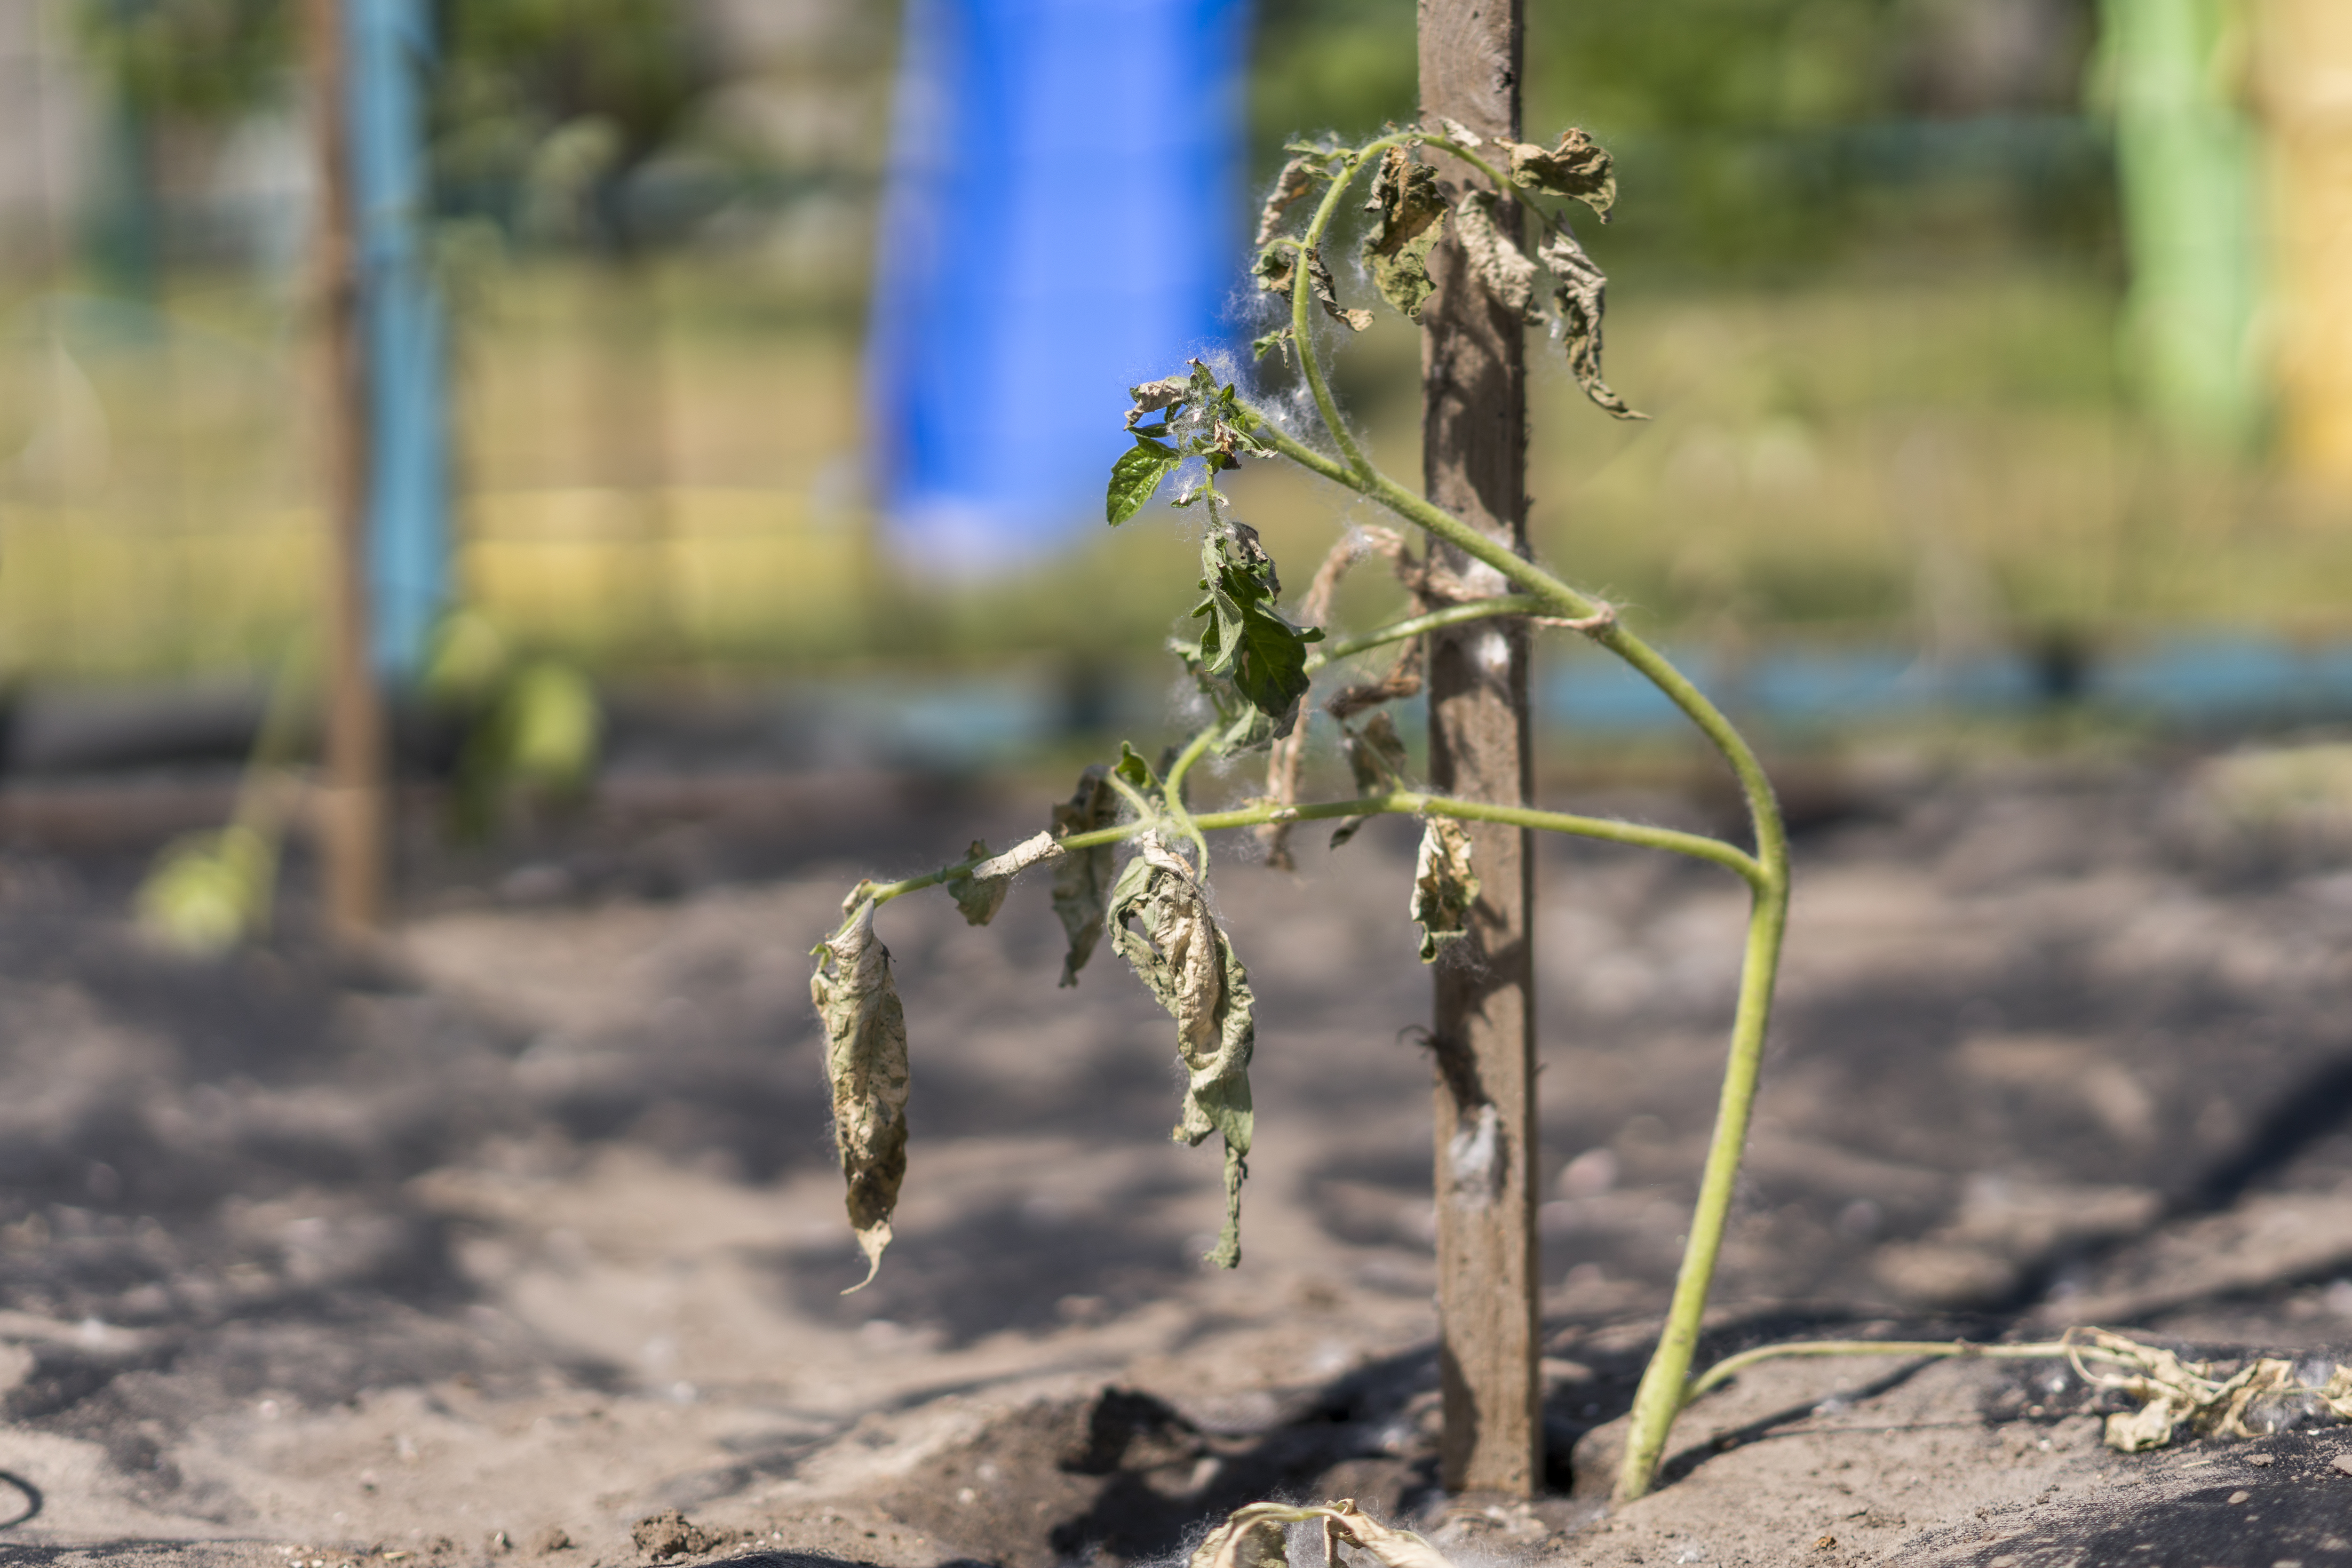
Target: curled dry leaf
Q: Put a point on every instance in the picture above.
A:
(980, 892)
(1579, 167)
(1444, 886)
(979, 897)
(865, 1063)
(1254, 1537)
(1578, 289)
(1298, 178)
(1461, 132)
(1412, 215)
(1081, 881)
(1375, 756)
(1191, 967)
(1154, 395)
(1326, 294)
(2265, 1395)
(1498, 262)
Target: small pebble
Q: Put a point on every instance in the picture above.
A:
(2343, 1463)
(2260, 1460)
(1825, 1543)
(2239, 1497)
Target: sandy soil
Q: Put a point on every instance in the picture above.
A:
(498, 1243)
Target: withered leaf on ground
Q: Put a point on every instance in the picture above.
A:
(1254, 1537)
(1580, 290)
(1298, 178)
(1190, 966)
(1412, 215)
(1499, 263)
(1444, 886)
(1082, 879)
(1579, 167)
(865, 1063)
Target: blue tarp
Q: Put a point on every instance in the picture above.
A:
(390, 45)
(1060, 223)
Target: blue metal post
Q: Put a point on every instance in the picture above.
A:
(1061, 221)
(402, 327)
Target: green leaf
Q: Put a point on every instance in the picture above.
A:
(866, 1063)
(1579, 291)
(1247, 641)
(1500, 265)
(1579, 167)
(1412, 214)
(1444, 886)
(1136, 771)
(210, 891)
(1190, 966)
(1136, 476)
(1081, 881)
(1261, 347)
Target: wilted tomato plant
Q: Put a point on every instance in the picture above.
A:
(1257, 666)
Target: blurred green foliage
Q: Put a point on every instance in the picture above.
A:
(193, 59)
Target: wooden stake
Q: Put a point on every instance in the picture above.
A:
(351, 805)
(1473, 464)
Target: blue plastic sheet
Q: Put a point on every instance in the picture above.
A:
(1061, 222)
(390, 45)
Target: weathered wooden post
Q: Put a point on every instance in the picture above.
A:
(350, 803)
(1473, 463)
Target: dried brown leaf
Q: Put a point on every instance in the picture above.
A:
(865, 1063)
(1326, 294)
(1375, 756)
(1298, 178)
(1578, 167)
(1497, 261)
(1081, 881)
(1444, 886)
(1412, 215)
(1580, 290)
(1191, 967)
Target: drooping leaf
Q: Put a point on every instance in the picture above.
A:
(865, 1063)
(980, 892)
(1262, 346)
(1499, 264)
(1411, 213)
(979, 898)
(1082, 879)
(1326, 294)
(1136, 476)
(1375, 756)
(1191, 968)
(1139, 775)
(1578, 289)
(1390, 1547)
(1247, 640)
(1579, 167)
(1298, 178)
(1444, 886)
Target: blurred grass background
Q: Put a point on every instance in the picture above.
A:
(1867, 278)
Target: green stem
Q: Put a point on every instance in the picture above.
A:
(1732, 1366)
(1660, 1396)
(1174, 789)
(1398, 631)
(1399, 803)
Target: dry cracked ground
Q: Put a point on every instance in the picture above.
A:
(518, 1240)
